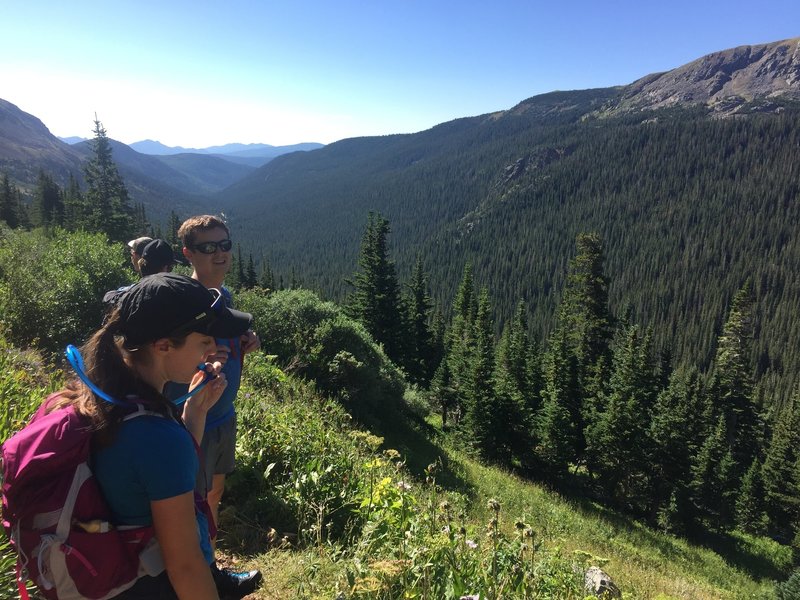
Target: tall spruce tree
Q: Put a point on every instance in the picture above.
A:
(459, 339)
(585, 329)
(420, 351)
(8, 202)
(76, 213)
(617, 438)
(779, 475)
(106, 194)
(48, 202)
(375, 302)
(486, 420)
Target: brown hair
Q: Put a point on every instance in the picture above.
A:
(199, 223)
(104, 362)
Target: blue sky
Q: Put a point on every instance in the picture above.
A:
(201, 73)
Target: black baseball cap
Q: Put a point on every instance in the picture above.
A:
(157, 254)
(171, 305)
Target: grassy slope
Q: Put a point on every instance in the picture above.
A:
(645, 563)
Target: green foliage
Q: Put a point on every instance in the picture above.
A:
(316, 340)
(375, 301)
(789, 589)
(51, 285)
(107, 201)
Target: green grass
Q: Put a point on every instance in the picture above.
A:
(327, 509)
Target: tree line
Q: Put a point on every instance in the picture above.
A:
(595, 406)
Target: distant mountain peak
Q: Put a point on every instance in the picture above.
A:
(723, 81)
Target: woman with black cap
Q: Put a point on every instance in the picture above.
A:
(159, 331)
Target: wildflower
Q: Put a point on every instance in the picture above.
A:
(528, 533)
(519, 525)
(471, 544)
(391, 453)
(403, 486)
(494, 505)
(445, 505)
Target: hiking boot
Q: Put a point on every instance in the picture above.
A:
(235, 584)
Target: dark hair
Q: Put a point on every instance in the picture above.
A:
(104, 361)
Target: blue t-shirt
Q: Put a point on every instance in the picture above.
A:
(151, 458)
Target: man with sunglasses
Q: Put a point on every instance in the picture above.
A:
(207, 246)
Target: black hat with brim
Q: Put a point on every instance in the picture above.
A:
(168, 305)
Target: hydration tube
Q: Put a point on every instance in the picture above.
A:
(76, 360)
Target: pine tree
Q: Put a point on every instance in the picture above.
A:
(173, 225)
(734, 379)
(76, 213)
(779, 472)
(514, 385)
(459, 340)
(585, 328)
(750, 515)
(676, 432)
(267, 278)
(486, 419)
(250, 273)
(106, 194)
(8, 203)
(420, 352)
(555, 423)
(375, 302)
(708, 477)
(616, 438)
(442, 392)
(48, 202)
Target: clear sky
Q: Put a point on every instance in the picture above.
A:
(200, 73)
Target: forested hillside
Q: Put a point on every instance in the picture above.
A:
(688, 208)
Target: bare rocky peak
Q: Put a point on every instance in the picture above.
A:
(723, 81)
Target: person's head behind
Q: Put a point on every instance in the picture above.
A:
(136, 247)
(157, 257)
(207, 246)
(152, 321)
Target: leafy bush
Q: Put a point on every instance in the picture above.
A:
(51, 285)
(317, 341)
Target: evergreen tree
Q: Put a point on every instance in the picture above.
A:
(708, 472)
(616, 438)
(486, 419)
(376, 298)
(106, 194)
(76, 213)
(48, 202)
(750, 515)
(420, 351)
(585, 328)
(442, 392)
(676, 432)
(779, 473)
(514, 385)
(250, 273)
(555, 423)
(459, 339)
(734, 389)
(173, 225)
(267, 278)
(8, 202)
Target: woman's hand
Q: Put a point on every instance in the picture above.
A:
(196, 408)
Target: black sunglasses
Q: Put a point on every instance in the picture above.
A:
(211, 247)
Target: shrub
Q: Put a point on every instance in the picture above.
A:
(317, 341)
(51, 285)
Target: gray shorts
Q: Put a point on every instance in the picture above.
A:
(218, 454)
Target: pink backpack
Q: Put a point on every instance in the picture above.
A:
(57, 519)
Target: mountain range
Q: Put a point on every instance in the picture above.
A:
(691, 176)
